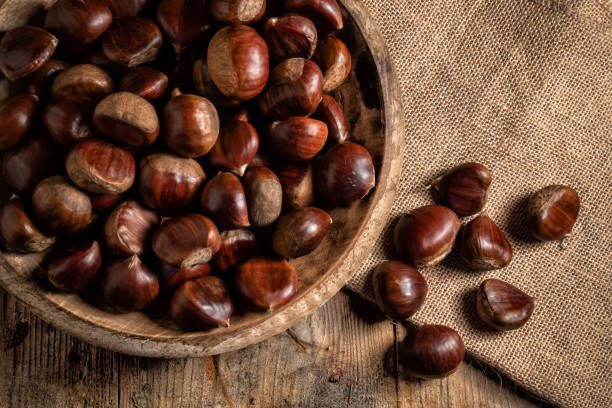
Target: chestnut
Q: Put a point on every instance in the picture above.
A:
(296, 138)
(346, 174)
(128, 285)
(300, 231)
(129, 229)
(552, 212)
(104, 202)
(60, 207)
(145, 82)
(191, 125)
(399, 289)
(238, 11)
(224, 200)
(132, 41)
(16, 115)
(71, 270)
(264, 196)
(100, 167)
(335, 61)
(266, 283)
(32, 160)
(502, 305)
(82, 79)
(18, 231)
(127, 119)
(297, 182)
(207, 88)
(126, 8)
(187, 240)
(68, 120)
(235, 148)
(483, 246)
(326, 14)
(169, 183)
(237, 62)
(295, 89)
(290, 36)
(78, 23)
(425, 236)
(465, 188)
(432, 351)
(185, 22)
(23, 50)
(237, 246)
(202, 304)
(330, 112)
(170, 276)
(39, 83)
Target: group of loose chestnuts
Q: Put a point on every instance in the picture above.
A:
(425, 236)
(201, 196)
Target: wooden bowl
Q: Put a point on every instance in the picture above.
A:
(371, 101)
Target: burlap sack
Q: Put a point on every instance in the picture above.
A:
(524, 87)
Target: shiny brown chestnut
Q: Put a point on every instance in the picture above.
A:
(297, 181)
(16, 115)
(236, 146)
(132, 41)
(502, 305)
(32, 160)
(187, 240)
(465, 188)
(237, 61)
(552, 212)
(399, 289)
(326, 14)
(185, 22)
(68, 120)
(126, 8)
(78, 23)
(169, 183)
(129, 229)
(264, 196)
(238, 11)
(71, 270)
(290, 36)
(224, 200)
(296, 138)
(127, 119)
(330, 112)
(145, 82)
(300, 231)
(18, 232)
(294, 89)
(104, 202)
(128, 285)
(432, 351)
(202, 304)
(237, 246)
(334, 58)
(191, 125)
(346, 174)
(266, 283)
(39, 83)
(170, 276)
(60, 207)
(82, 79)
(425, 236)
(23, 50)
(483, 246)
(100, 167)
(207, 88)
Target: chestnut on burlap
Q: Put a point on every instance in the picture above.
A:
(524, 87)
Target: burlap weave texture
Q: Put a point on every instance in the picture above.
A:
(524, 87)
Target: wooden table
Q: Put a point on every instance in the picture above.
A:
(337, 357)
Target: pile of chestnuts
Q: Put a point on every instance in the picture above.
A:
(166, 149)
(426, 235)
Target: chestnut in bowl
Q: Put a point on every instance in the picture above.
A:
(83, 79)
(224, 200)
(23, 50)
(145, 82)
(238, 11)
(334, 58)
(132, 41)
(326, 14)
(185, 22)
(18, 232)
(296, 139)
(264, 196)
(16, 115)
(171, 276)
(297, 181)
(207, 88)
(236, 146)
(72, 269)
(69, 119)
(266, 283)
(202, 304)
(129, 229)
(39, 82)
(290, 36)
(128, 285)
(300, 231)
(330, 112)
(237, 246)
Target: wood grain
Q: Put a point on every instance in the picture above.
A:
(334, 358)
